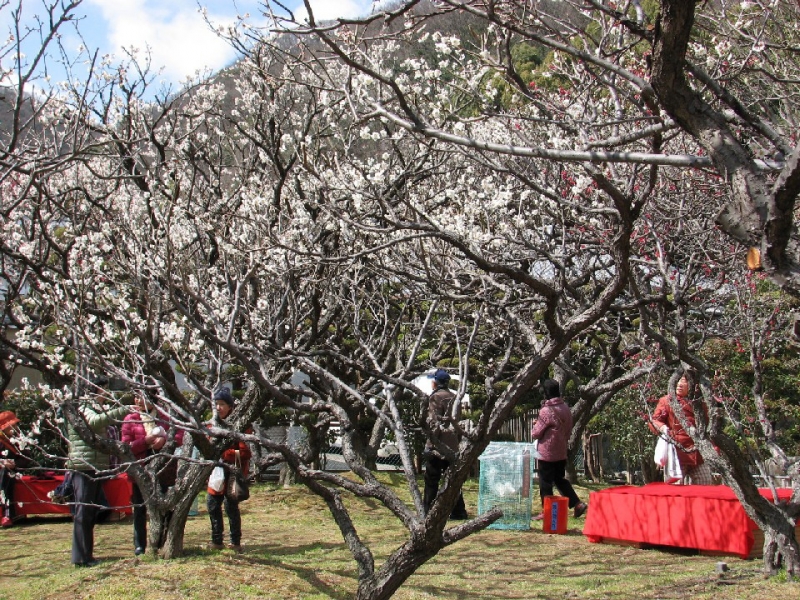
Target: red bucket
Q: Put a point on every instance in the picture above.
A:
(556, 513)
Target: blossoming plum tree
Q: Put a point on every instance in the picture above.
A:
(257, 221)
(623, 91)
(362, 200)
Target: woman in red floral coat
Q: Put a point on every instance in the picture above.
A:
(666, 422)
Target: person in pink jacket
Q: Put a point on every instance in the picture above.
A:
(552, 429)
(145, 431)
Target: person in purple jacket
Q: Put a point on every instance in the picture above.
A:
(552, 429)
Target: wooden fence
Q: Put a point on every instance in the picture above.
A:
(520, 427)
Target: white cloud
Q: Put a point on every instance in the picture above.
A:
(331, 9)
(178, 38)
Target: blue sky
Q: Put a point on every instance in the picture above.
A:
(179, 40)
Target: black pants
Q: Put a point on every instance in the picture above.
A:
(434, 469)
(139, 518)
(554, 474)
(214, 505)
(7, 486)
(88, 495)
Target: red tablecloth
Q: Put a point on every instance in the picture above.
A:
(30, 495)
(687, 516)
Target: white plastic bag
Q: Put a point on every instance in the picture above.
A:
(535, 448)
(216, 481)
(672, 470)
(662, 452)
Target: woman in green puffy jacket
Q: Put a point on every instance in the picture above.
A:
(87, 464)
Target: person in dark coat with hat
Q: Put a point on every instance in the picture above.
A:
(237, 454)
(442, 419)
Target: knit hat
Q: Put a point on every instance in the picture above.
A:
(224, 395)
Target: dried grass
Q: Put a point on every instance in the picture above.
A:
(293, 550)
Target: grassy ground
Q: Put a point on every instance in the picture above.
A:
(293, 550)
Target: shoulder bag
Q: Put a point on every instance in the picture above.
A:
(237, 488)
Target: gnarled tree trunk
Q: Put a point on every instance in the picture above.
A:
(593, 455)
(780, 546)
(168, 511)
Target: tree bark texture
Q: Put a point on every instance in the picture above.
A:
(755, 216)
(593, 453)
(168, 511)
(780, 542)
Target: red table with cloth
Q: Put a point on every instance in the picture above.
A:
(30, 495)
(705, 517)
